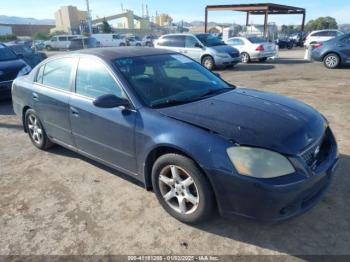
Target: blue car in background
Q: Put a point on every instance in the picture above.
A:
(11, 66)
(199, 142)
(334, 52)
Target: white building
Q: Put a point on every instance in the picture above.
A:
(5, 30)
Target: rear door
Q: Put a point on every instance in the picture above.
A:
(104, 133)
(172, 42)
(51, 94)
(237, 43)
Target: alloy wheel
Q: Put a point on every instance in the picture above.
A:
(331, 61)
(35, 129)
(178, 189)
(245, 58)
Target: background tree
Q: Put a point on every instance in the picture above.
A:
(106, 28)
(322, 23)
(40, 36)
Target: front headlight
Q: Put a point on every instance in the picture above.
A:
(222, 55)
(25, 70)
(258, 162)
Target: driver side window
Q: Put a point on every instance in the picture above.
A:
(94, 81)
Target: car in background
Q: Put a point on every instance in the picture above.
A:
(31, 57)
(149, 40)
(110, 40)
(321, 35)
(253, 48)
(11, 66)
(83, 42)
(206, 49)
(284, 43)
(59, 42)
(199, 142)
(38, 45)
(134, 41)
(298, 38)
(334, 52)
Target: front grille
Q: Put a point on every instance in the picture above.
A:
(318, 152)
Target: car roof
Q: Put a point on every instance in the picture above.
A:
(323, 30)
(111, 53)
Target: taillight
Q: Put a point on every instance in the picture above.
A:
(316, 46)
(260, 48)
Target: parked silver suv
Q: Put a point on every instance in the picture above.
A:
(206, 49)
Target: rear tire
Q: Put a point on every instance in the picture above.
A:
(331, 61)
(182, 189)
(245, 58)
(208, 62)
(36, 130)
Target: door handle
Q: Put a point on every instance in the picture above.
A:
(35, 96)
(74, 111)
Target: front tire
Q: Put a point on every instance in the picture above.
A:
(331, 61)
(208, 62)
(182, 189)
(36, 130)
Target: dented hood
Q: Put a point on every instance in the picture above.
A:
(254, 118)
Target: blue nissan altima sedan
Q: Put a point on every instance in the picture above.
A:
(200, 143)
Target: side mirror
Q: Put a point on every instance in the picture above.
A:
(198, 45)
(110, 101)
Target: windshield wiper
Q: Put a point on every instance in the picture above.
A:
(216, 91)
(170, 102)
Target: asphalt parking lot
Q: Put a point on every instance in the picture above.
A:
(58, 202)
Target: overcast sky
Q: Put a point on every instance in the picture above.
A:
(187, 10)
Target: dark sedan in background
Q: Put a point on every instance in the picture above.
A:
(334, 52)
(31, 57)
(196, 140)
(11, 66)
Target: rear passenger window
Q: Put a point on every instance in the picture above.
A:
(57, 73)
(172, 41)
(95, 81)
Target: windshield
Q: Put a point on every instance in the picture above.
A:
(169, 79)
(6, 54)
(209, 40)
(257, 40)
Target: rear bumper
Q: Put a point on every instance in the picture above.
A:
(5, 90)
(257, 55)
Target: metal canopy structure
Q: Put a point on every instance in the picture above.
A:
(258, 9)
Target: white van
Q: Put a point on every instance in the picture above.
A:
(59, 42)
(110, 39)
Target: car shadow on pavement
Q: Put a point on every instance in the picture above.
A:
(59, 150)
(322, 230)
(289, 61)
(6, 108)
(252, 67)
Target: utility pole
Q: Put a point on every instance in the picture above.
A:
(89, 17)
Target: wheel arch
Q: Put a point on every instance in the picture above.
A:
(205, 55)
(24, 110)
(332, 52)
(160, 150)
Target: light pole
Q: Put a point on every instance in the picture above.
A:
(89, 16)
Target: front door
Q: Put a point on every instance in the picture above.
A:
(104, 133)
(192, 48)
